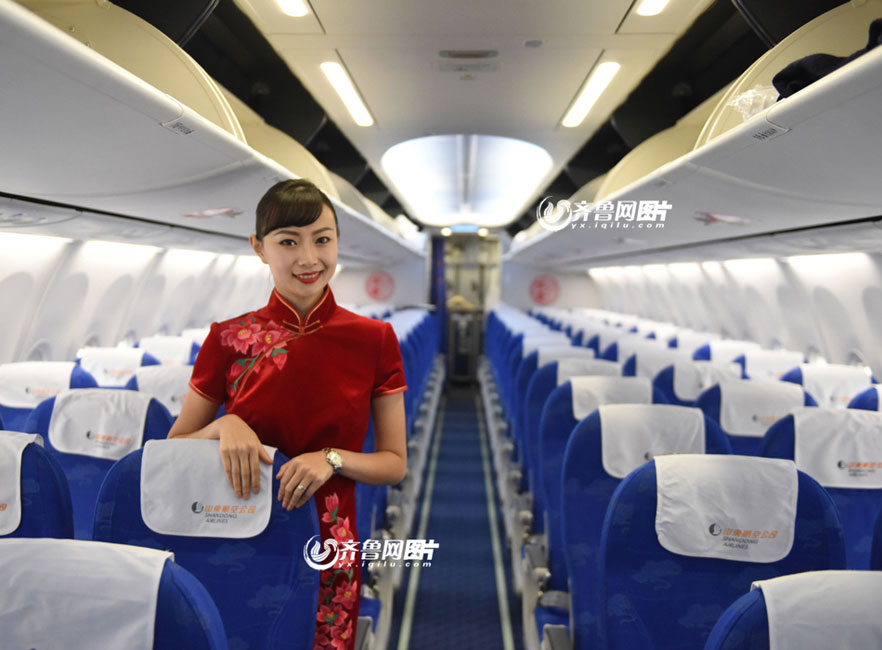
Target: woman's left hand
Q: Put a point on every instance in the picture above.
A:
(301, 476)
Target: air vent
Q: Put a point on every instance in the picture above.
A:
(468, 54)
(461, 66)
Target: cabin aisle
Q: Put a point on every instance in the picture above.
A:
(464, 599)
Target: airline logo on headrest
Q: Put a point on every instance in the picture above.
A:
(42, 392)
(740, 539)
(765, 419)
(221, 513)
(108, 442)
(859, 469)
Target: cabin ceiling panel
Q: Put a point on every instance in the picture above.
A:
(391, 50)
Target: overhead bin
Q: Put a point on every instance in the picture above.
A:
(805, 161)
(143, 50)
(661, 148)
(84, 132)
(839, 32)
(281, 147)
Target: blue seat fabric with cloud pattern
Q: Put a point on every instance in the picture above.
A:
(585, 490)
(186, 616)
(46, 507)
(656, 600)
(743, 626)
(266, 593)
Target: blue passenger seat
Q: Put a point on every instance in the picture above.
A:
(87, 430)
(686, 535)
(265, 591)
(33, 490)
(81, 594)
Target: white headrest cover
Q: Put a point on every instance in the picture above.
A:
(12, 446)
(821, 610)
(99, 423)
(839, 448)
(547, 354)
(632, 434)
(728, 349)
(727, 507)
(171, 350)
(168, 384)
(590, 392)
(78, 595)
(652, 360)
(530, 344)
(691, 378)
(574, 367)
(185, 491)
(833, 384)
(770, 364)
(24, 385)
(111, 366)
(748, 407)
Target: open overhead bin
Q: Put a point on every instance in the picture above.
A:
(809, 160)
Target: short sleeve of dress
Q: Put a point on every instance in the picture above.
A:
(389, 375)
(209, 372)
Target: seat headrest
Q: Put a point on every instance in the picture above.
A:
(820, 610)
(110, 366)
(99, 423)
(170, 350)
(770, 364)
(574, 367)
(839, 448)
(834, 384)
(632, 434)
(25, 384)
(185, 491)
(727, 507)
(78, 595)
(590, 392)
(748, 407)
(168, 384)
(693, 377)
(547, 354)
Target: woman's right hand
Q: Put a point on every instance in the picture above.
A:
(241, 452)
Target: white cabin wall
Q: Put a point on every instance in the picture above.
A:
(829, 305)
(574, 289)
(59, 295)
(410, 284)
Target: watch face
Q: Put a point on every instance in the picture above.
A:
(335, 460)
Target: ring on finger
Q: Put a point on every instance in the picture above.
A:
(301, 487)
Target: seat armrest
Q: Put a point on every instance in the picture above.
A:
(363, 633)
(556, 637)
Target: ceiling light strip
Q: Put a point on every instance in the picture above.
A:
(651, 7)
(600, 78)
(341, 82)
(293, 8)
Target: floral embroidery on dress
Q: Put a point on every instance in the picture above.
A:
(338, 593)
(247, 336)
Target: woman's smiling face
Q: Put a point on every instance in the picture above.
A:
(302, 259)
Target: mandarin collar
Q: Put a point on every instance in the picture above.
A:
(288, 315)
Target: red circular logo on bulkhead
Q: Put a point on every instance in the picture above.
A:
(544, 289)
(379, 286)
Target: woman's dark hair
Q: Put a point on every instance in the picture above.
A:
(295, 202)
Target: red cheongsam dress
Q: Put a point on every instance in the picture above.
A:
(304, 384)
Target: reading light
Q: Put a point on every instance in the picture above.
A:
(598, 81)
(651, 7)
(294, 8)
(344, 87)
(483, 232)
(446, 232)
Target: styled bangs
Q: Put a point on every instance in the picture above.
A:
(294, 203)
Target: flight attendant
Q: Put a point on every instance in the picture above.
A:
(303, 375)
